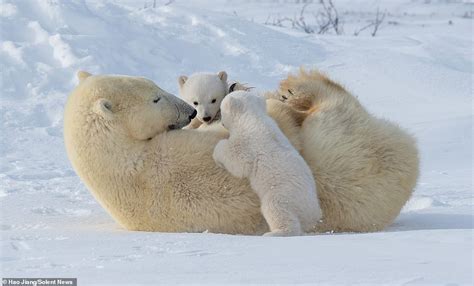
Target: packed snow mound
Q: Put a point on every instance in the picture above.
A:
(417, 72)
(157, 43)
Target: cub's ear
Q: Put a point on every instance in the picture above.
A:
(232, 87)
(181, 80)
(82, 75)
(239, 86)
(222, 75)
(103, 107)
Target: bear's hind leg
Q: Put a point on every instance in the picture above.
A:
(308, 89)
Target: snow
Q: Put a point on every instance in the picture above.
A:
(417, 72)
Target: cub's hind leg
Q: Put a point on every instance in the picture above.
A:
(280, 217)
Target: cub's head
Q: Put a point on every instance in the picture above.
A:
(204, 91)
(239, 106)
(133, 106)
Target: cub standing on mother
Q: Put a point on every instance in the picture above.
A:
(259, 151)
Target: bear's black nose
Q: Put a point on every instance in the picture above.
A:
(207, 118)
(193, 115)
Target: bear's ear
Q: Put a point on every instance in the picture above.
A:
(82, 75)
(222, 75)
(103, 107)
(181, 80)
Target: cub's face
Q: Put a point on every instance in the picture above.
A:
(137, 106)
(205, 93)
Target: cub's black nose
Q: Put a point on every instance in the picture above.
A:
(193, 115)
(207, 118)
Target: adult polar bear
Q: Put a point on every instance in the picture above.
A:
(118, 138)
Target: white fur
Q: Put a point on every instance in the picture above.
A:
(259, 151)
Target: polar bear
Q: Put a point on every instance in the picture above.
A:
(123, 139)
(259, 151)
(205, 92)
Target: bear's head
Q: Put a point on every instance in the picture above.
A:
(241, 106)
(205, 92)
(134, 106)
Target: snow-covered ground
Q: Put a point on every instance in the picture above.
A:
(417, 71)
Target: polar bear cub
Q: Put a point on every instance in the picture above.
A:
(259, 151)
(205, 91)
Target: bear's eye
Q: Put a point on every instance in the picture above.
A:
(195, 103)
(156, 100)
(213, 101)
